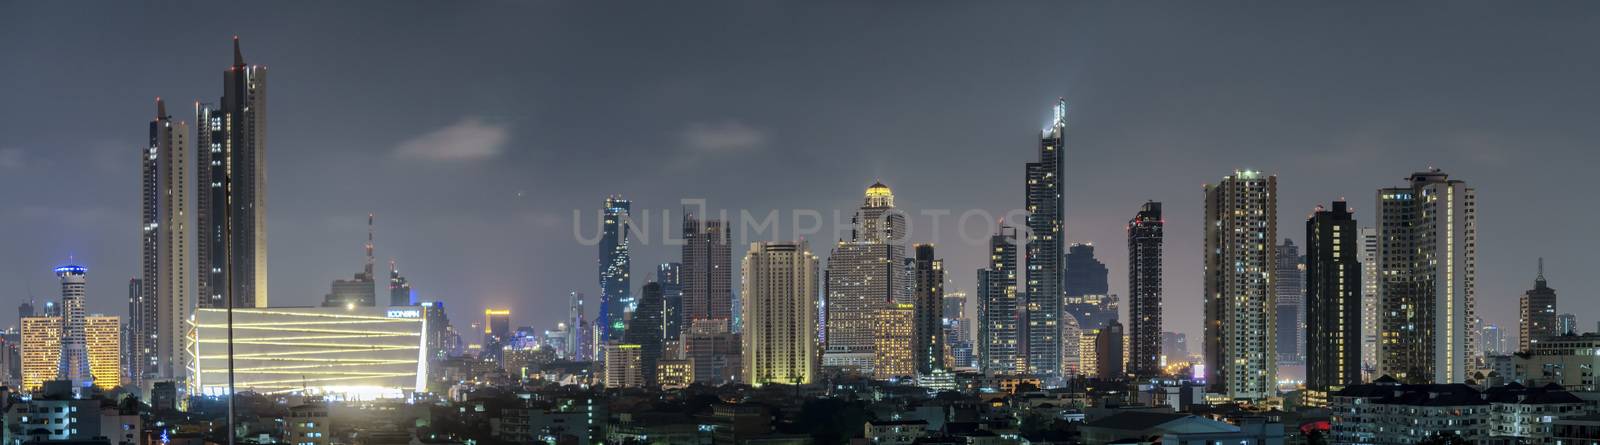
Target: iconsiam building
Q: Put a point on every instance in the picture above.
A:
(350, 353)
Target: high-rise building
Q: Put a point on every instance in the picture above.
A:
(1108, 352)
(1333, 300)
(103, 341)
(891, 337)
(1492, 341)
(865, 273)
(496, 327)
(780, 314)
(1145, 236)
(1369, 303)
(927, 341)
(999, 323)
(361, 289)
(231, 143)
(74, 346)
(1567, 324)
(1240, 308)
(1427, 258)
(1289, 288)
(624, 366)
(578, 343)
(614, 269)
(958, 330)
(41, 351)
(163, 301)
(1175, 345)
(399, 288)
(1045, 206)
(706, 272)
(714, 351)
(1087, 285)
(670, 278)
(644, 329)
(1537, 313)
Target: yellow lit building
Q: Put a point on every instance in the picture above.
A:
(1088, 361)
(357, 352)
(674, 374)
(622, 366)
(41, 351)
(891, 328)
(103, 335)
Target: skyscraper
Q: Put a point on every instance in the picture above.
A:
(1087, 288)
(1108, 352)
(41, 351)
(163, 302)
(1567, 324)
(578, 341)
(361, 289)
(231, 144)
(927, 341)
(1537, 313)
(74, 347)
(892, 332)
(1045, 234)
(614, 269)
(1427, 258)
(780, 292)
(103, 346)
(1145, 236)
(999, 323)
(865, 273)
(399, 288)
(1369, 303)
(645, 330)
(1333, 300)
(706, 272)
(1240, 308)
(1289, 289)
(1492, 342)
(670, 277)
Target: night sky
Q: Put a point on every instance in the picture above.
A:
(475, 129)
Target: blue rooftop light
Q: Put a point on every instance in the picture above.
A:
(72, 269)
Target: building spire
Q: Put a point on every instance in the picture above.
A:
(1540, 279)
(238, 57)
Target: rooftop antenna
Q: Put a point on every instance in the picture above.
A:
(1541, 270)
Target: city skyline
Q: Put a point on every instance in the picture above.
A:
(326, 164)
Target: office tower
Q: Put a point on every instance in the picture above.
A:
(1537, 313)
(644, 329)
(1108, 352)
(958, 330)
(1493, 342)
(714, 352)
(361, 289)
(624, 366)
(614, 269)
(496, 327)
(231, 144)
(163, 302)
(578, 346)
(1333, 300)
(41, 351)
(706, 272)
(1427, 258)
(670, 278)
(1240, 309)
(927, 341)
(1369, 303)
(103, 340)
(74, 349)
(1145, 236)
(399, 288)
(780, 314)
(1087, 285)
(1289, 289)
(865, 273)
(999, 323)
(1175, 345)
(1567, 324)
(1045, 234)
(892, 333)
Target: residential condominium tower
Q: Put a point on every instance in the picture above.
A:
(1333, 300)
(1240, 306)
(1044, 204)
(231, 197)
(164, 299)
(928, 341)
(999, 322)
(706, 273)
(1427, 256)
(780, 314)
(1144, 291)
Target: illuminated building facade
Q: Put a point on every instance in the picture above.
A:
(891, 334)
(1333, 300)
(999, 323)
(780, 321)
(1087, 288)
(163, 302)
(399, 288)
(41, 351)
(359, 352)
(1427, 258)
(669, 275)
(614, 269)
(674, 374)
(623, 365)
(103, 335)
(1369, 303)
(231, 143)
(928, 340)
(1288, 287)
(1045, 205)
(1537, 313)
(1241, 223)
(865, 273)
(1145, 237)
(74, 344)
(706, 273)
